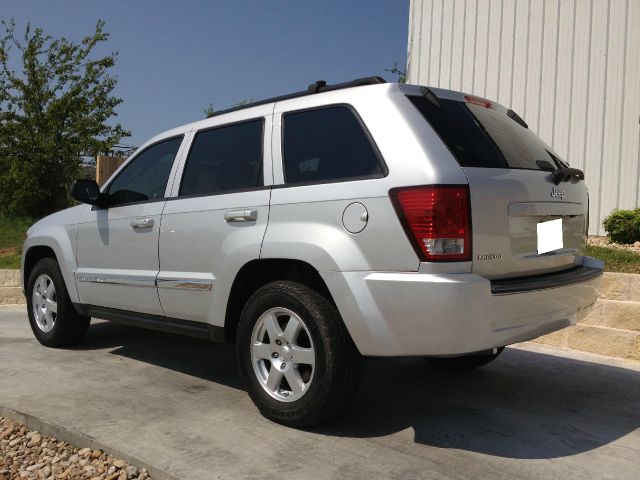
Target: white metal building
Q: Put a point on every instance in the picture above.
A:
(570, 68)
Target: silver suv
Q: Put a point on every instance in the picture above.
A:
(360, 219)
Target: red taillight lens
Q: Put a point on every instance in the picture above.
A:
(437, 220)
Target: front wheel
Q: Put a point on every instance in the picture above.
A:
(297, 360)
(54, 321)
(464, 362)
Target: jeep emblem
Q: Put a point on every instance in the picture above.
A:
(557, 193)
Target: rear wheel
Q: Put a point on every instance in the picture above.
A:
(464, 362)
(295, 355)
(53, 320)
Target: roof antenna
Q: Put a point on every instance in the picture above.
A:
(316, 86)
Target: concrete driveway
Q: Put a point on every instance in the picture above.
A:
(177, 404)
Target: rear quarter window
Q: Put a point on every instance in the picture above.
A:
(328, 145)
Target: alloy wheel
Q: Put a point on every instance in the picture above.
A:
(44, 303)
(283, 354)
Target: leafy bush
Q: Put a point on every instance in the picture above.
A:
(623, 226)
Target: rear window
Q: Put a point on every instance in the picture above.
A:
(224, 159)
(484, 137)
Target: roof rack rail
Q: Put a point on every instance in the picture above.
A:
(316, 87)
(321, 85)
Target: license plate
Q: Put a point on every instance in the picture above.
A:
(549, 236)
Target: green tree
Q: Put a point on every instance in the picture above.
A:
(209, 111)
(402, 74)
(53, 108)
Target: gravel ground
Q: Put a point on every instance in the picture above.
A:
(604, 242)
(30, 455)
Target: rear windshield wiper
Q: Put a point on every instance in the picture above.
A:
(561, 174)
(567, 174)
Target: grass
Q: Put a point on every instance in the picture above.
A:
(615, 260)
(12, 234)
(10, 261)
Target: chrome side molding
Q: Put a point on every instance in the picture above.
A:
(114, 279)
(199, 284)
(185, 283)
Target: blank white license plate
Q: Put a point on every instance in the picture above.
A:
(550, 236)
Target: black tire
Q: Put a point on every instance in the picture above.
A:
(69, 326)
(464, 362)
(337, 361)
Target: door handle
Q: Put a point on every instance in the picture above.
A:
(249, 215)
(141, 223)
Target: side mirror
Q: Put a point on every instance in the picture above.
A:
(86, 191)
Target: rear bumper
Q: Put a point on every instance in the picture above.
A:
(407, 314)
(579, 274)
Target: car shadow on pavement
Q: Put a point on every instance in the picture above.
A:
(524, 405)
(214, 362)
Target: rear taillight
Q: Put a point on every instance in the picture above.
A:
(437, 220)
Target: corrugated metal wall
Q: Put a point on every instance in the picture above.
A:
(570, 68)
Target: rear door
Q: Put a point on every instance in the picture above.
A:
(513, 193)
(216, 219)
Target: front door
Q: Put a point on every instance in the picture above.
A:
(117, 247)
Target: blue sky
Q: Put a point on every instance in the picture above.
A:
(175, 57)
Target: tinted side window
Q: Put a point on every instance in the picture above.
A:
(223, 159)
(328, 144)
(145, 178)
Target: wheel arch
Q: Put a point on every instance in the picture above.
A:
(31, 257)
(259, 272)
(49, 246)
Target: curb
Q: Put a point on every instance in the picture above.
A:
(9, 278)
(10, 290)
(12, 296)
(612, 328)
(79, 440)
(605, 341)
